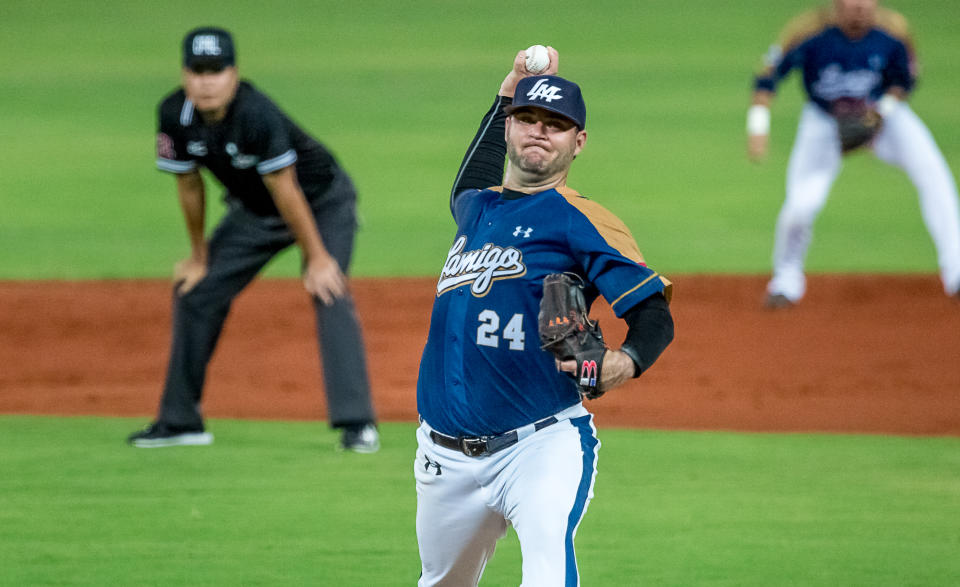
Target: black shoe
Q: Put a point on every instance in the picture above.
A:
(363, 438)
(777, 302)
(157, 435)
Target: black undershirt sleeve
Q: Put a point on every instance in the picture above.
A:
(650, 330)
(482, 165)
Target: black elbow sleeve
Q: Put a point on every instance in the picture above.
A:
(650, 331)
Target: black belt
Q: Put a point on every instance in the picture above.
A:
(479, 446)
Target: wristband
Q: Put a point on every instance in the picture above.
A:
(887, 104)
(758, 120)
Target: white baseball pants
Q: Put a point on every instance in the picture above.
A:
(815, 163)
(541, 485)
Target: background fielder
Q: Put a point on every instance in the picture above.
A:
(852, 51)
(282, 187)
(504, 436)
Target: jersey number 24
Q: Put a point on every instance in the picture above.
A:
(490, 324)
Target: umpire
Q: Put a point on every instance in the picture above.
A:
(281, 187)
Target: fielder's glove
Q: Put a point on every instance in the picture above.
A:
(857, 123)
(568, 333)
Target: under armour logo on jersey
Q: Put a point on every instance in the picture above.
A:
(206, 45)
(429, 463)
(524, 231)
(547, 93)
(165, 148)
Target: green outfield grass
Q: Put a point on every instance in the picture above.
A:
(396, 90)
(272, 503)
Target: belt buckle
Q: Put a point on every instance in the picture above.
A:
(473, 447)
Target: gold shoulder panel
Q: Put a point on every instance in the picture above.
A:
(894, 24)
(611, 228)
(616, 234)
(804, 26)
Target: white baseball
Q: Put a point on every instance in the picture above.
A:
(537, 59)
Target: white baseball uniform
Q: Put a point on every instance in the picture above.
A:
(465, 503)
(504, 437)
(836, 67)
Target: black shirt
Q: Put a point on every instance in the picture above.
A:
(253, 139)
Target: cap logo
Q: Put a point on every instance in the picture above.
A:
(206, 45)
(544, 91)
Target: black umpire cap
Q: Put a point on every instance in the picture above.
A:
(208, 49)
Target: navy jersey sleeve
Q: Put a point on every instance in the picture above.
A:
(269, 137)
(171, 147)
(790, 48)
(779, 65)
(899, 71)
(608, 254)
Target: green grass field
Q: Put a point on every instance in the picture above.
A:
(396, 90)
(272, 503)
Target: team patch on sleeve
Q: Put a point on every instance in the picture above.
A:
(165, 148)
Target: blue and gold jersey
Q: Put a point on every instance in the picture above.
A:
(834, 66)
(483, 371)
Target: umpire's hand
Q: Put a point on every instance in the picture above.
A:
(323, 279)
(188, 273)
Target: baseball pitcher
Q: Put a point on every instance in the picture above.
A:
(504, 437)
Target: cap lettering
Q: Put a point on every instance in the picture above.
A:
(206, 45)
(541, 90)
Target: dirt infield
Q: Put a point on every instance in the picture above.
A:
(877, 354)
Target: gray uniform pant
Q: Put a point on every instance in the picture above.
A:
(239, 248)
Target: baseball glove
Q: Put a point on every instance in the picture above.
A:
(568, 333)
(857, 122)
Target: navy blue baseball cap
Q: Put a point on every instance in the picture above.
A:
(551, 93)
(208, 49)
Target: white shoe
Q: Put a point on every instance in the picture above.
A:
(362, 439)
